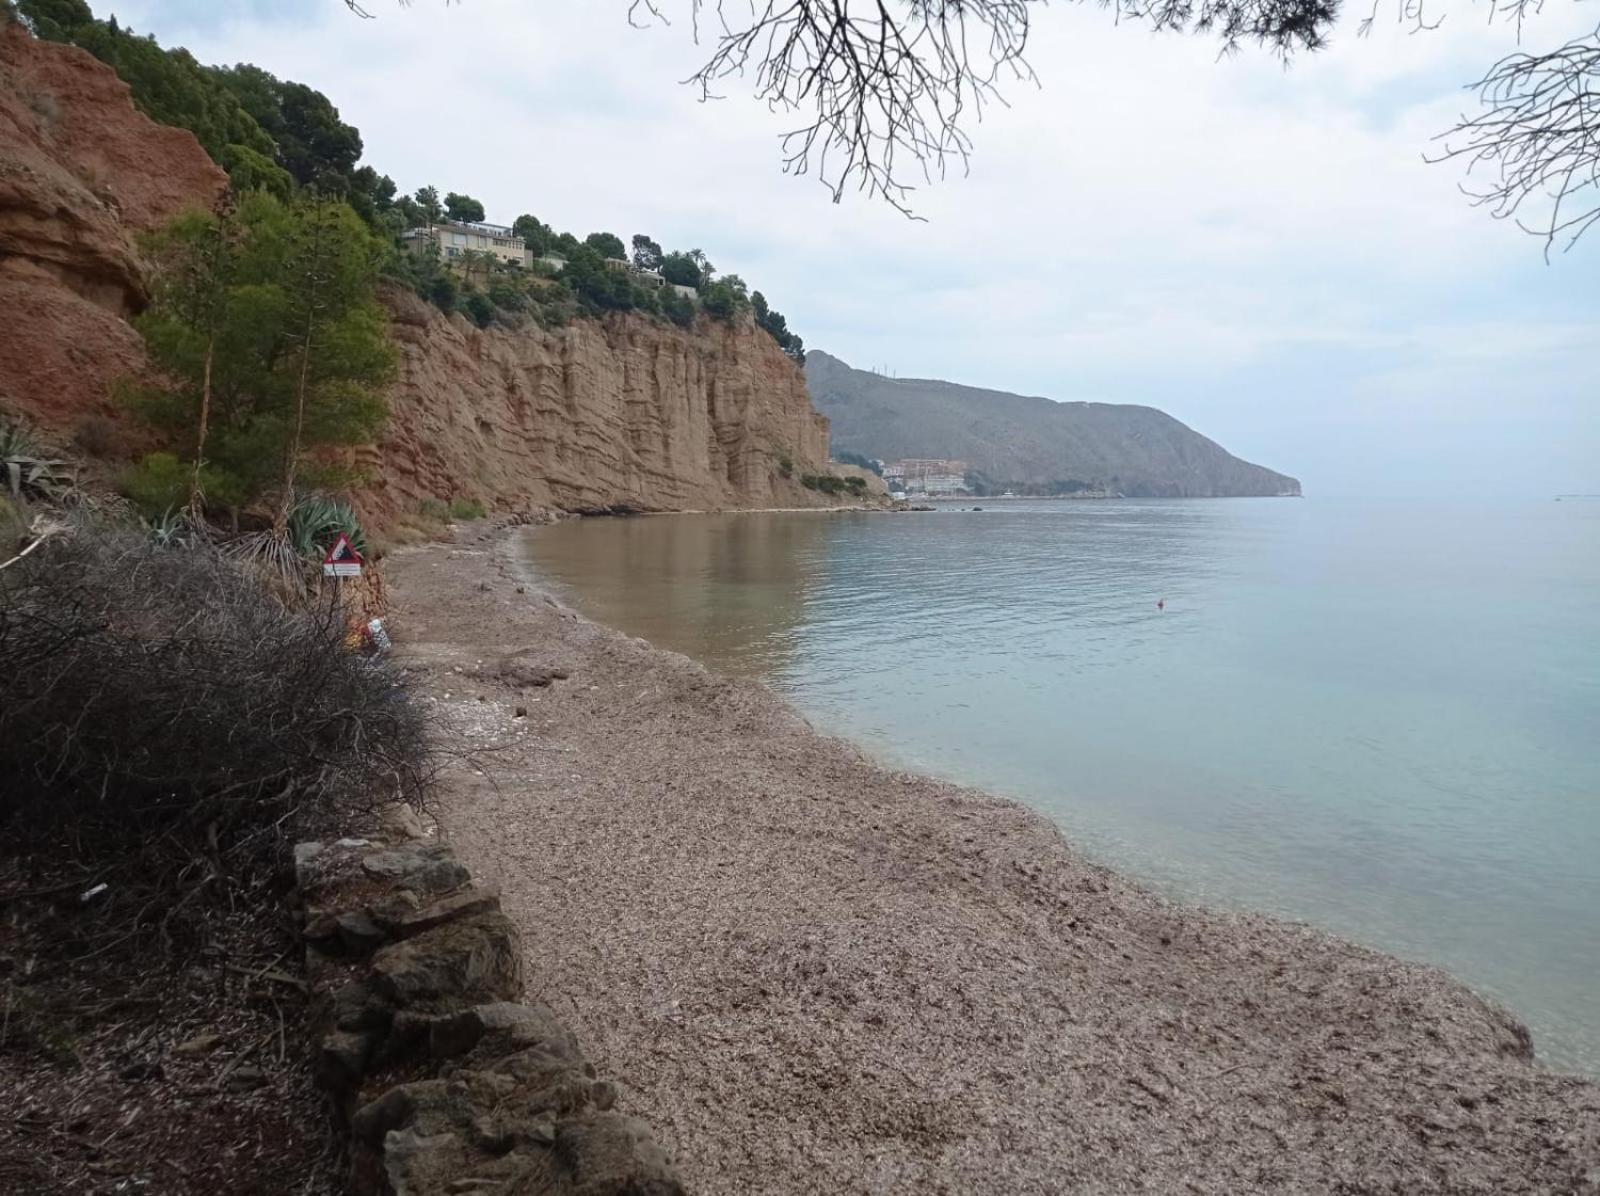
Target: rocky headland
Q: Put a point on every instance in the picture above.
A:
(1032, 444)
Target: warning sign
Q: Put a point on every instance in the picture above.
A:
(342, 559)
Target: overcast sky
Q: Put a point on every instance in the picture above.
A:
(1261, 252)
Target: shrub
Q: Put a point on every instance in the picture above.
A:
(507, 297)
(157, 484)
(722, 299)
(478, 308)
(443, 293)
(827, 483)
(865, 462)
(97, 436)
(434, 508)
(466, 508)
(677, 308)
(151, 692)
(598, 287)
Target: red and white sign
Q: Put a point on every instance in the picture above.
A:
(342, 559)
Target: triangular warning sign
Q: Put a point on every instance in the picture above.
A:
(342, 559)
(342, 552)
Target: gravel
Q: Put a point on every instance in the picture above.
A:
(813, 974)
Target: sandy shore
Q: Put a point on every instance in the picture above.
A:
(815, 975)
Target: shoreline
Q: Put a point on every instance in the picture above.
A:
(812, 973)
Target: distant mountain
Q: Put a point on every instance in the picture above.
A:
(1029, 443)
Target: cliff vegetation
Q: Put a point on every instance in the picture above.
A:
(234, 312)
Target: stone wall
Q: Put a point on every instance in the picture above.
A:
(447, 1080)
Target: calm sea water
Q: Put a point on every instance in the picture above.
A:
(1380, 718)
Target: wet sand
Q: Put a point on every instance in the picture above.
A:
(815, 975)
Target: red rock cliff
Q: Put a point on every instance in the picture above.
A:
(82, 174)
(628, 411)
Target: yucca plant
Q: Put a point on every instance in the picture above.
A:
(272, 553)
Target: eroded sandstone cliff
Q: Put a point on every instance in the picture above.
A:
(625, 412)
(82, 174)
(622, 412)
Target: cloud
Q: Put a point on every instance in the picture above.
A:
(1259, 250)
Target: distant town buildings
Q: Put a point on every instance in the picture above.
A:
(926, 476)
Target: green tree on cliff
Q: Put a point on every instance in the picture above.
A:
(427, 199)
(606, 245)
(598, 286)
(725, 297)
(646, 252)
(270, 327)
(463, 207)
(535, 233)
(778, 328)
(313, 144)
(680, 270)
(171, 88)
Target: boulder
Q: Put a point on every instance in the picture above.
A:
(401, 822)
(422, 868)
(461, 904)
(472, 960)
(490, 1031)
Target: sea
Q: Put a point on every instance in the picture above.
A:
(1378, 717)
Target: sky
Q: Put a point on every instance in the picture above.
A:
(1260, 251)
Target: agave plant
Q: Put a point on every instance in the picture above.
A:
(287, 556)
(177, 529)
(15, 441)
(316, 521)
(27, 471)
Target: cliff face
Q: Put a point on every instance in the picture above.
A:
(626, 412)
(622, 412)
(82, 173)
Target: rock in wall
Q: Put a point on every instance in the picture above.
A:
(624, 411)
(82, 174)
(448, 1080)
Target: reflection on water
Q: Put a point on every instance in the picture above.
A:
(1380, 719)
(729, 590)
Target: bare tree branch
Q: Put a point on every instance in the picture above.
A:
(1538, 139)
(886, 90)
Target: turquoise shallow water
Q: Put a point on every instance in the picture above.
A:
(1381, 718)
